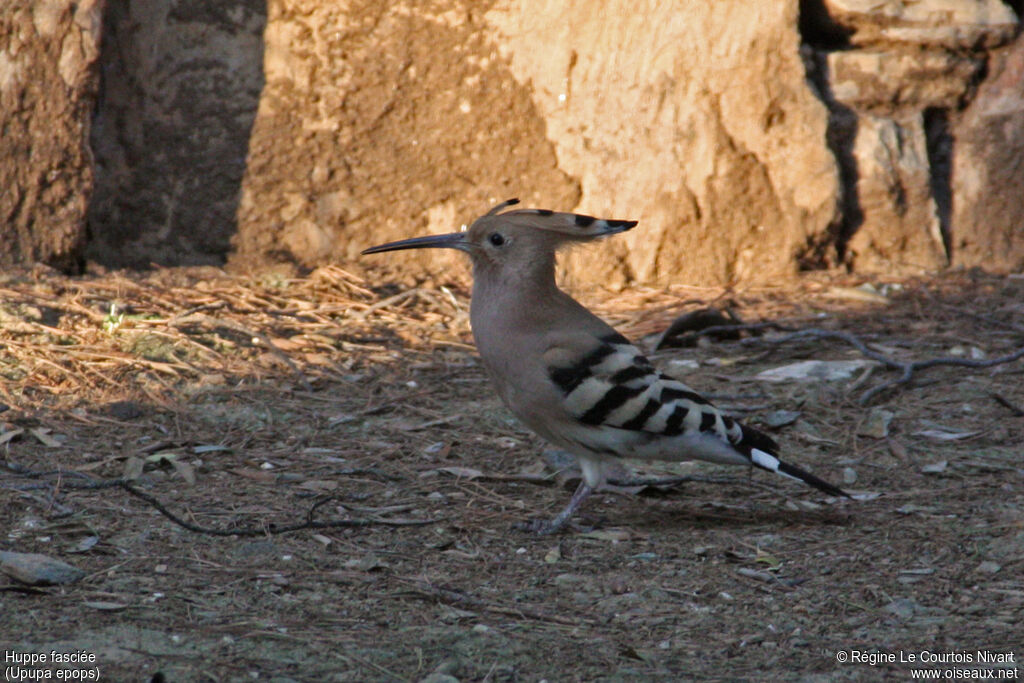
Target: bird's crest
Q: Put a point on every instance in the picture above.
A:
(570, 226)
(559, 229)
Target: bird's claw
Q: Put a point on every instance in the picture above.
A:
(538, 527)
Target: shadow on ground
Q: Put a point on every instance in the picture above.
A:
(250, 405)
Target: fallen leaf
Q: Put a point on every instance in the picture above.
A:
(287, 344)
(809, 432)
(312, 450)
(681, 366)
(629, 652)
(406, 426)
(261, 476)
(613, 535)
(210, 448)
(10, 434)
(755, 574)
(815, 371)
(318, 485)
(913, 509)
(989, 567)
(366, 563)
(903, 608)
(156, 458)
(173, 459)
(781, 418)
(943, 435)
(84, 545)
(897, 449)
(877, 424)
(439, 448)
(973, 351)
(105, 606)
(133, 467)
(802, 505)
(935, 467)
(725, 362)
(462, 472)
(184, 470)
(451, 614)
(43, 435)
(768, 559)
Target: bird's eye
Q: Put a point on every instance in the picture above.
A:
(496, 239)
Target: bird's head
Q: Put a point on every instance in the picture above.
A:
(521, 239)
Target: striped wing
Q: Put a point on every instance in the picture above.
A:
(608, 382)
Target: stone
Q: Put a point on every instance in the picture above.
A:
(35, 569)
(886, 81)
(951, 24)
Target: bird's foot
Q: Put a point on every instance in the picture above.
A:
(540, 527)
(543, 527)
(547, 526)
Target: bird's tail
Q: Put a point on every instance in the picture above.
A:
(767, 461)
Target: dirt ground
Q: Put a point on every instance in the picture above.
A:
(359, 415)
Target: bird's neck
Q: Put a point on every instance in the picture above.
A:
(506, 298)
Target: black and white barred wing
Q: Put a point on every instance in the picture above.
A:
(607, 382)
(623, 406)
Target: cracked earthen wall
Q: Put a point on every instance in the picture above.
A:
(48, 49)
(750, 139)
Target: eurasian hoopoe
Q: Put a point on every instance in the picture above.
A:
(568, 375)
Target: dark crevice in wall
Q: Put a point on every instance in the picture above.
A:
(818, 30)
(939, 142)
(840, 135)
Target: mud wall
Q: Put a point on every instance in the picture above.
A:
(751, 139)
(48, 49)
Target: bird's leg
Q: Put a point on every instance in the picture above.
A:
(543, 528)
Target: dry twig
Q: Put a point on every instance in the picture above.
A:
(906, 368)
(271, 529)
(248, 531)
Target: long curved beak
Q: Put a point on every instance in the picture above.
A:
(455, 240)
